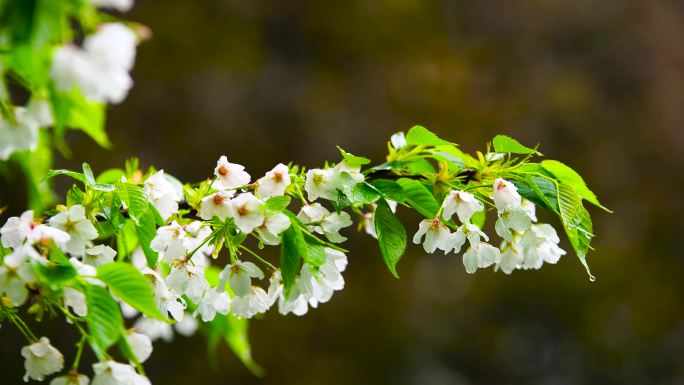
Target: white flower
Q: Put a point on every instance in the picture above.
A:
(39, 110)
(167, 300)
(398, 140)
(353, 171)
(72, 378)
(320, 285)
(515, 218)
(114, 373)
(217, 205)
(230, 175)
(274, 182)
(320, 220)
(154, 329)
(321, 183)
(100, 70)
(511, 256)
(196, 234)
(296, 302)
(333, 223)
(74, 222)
(239, 275)
(42, 233)
(273, 226)
(481, 256)
(161, 193)
(99, 255)
(186, 327)
(437, 236)
(213, 301)
(462, 203)
(76, 300)
(254, 302)
(540, 244)
(112, 46)
(504, 194)
(119, 5)
(17, 229)
(140, 345)
(187, 279)
(15, 272)
(41, 359)
(467, 231)
(170, 242)
(248, 212)
(20, 136)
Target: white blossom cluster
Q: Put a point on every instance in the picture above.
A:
(21, 132)
(188, 285)
(99, 70)
(182, 290)
(525, 245)
(73, 233)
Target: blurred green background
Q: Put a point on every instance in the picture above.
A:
(599, 84)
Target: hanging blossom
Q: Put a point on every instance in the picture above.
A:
(162, 194)
(324, 183)
(322, 221)
(100, 68)
(21, 132)
(41, 359)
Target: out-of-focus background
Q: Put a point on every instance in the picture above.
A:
(599, 84)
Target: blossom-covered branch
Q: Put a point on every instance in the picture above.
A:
(140, 244)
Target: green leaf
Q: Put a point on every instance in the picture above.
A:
(105, 323)
(353, 160)
(420, 166)
(57, 271)
(540, 191)
(506, 144)
(571, 178)
(73, 174)
(479, 218)
(88, 174)
(135, 199)
(129, 285)
(290, 247)
(72, 110)
(75, 196)
(278, 203)
(419, 197)
(390, 190)
(568, 203)
(112, 176)
(234, 331)
(391, 236)
(364, 193)
(146, 230)
(421, 136)
(577, 223)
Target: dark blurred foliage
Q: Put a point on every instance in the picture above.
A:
(599, 83)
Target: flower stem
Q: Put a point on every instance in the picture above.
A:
(265, 262)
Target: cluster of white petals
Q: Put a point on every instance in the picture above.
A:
(324, 183)
(100, 68)
(525, 245)
(21, 132)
